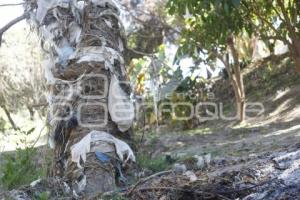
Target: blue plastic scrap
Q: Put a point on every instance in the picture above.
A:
(102, 157)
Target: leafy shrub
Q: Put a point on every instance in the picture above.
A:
(154, 164)
(43, 196)
(19, 169)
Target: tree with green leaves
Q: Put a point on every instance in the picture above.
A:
(212, 28)
(210, 33)
(275, 20)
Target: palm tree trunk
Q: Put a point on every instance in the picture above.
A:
(85, 47)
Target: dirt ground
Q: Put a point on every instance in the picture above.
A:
(277, 128)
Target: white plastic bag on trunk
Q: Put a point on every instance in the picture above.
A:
(119, 105)
(80, 149)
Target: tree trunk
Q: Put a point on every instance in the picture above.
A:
(240, 109)
(296, 60)
(31, 112)
(84, 72)
(294, 48)
(241, 96)
(237, 81)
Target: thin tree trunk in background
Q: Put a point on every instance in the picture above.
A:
(237, 80)
(296, 60)
(31, 112)
(241, 109)
(10, 119)
(294, 48)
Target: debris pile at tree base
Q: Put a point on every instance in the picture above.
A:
(269, 176)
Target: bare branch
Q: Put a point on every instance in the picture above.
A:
(11, 4)
(11, 23)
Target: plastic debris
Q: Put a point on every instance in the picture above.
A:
(102, 157)
(48, 66)
(191, 175)
(34, 183)
(80, 149)
(200, 161)
(119, 173)
(81, 185)
(43, 7)
(75, 50)
(122, 148)
(120, 107)
(62, 41)
(64, 54)
(207, 159)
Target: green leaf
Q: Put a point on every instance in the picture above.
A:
(30, 131)
(236, 3)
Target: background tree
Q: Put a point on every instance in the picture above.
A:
(275, 21)
(211, 29)
(21, 90)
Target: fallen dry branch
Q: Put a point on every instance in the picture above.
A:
(142, 181)
(204, 195)
(11, 4)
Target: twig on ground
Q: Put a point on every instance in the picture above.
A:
(142, 181)
(211, 195)
(249, 188)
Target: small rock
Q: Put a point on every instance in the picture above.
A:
(180, 168)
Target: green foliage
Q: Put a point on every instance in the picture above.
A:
(154, 164)
(43, 196)
(192, 90)
(19, 169)
(264, 76)
(208, 24)
(273, 19)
